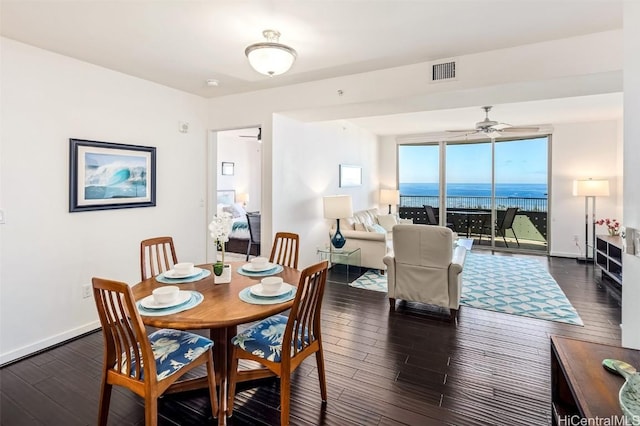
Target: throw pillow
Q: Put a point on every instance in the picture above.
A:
(405, 221)
(376, 228)
(387, 221)
(359, 227)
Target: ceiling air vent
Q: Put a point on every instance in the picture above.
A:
(443, 71)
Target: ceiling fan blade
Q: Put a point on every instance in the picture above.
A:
(462, 131)
(520, 129)
(466, 133)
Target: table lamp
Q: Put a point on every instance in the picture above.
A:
(337, 207)
(243, 198)
(589, 189)
(389, 196)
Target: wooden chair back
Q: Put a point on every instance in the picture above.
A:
(284, 251)
(125, 338)
(157, 255)
(303, 325)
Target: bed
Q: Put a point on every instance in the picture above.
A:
(239, 238)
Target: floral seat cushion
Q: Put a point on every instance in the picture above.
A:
(264, 339)
(172, 350)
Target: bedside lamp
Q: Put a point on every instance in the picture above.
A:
(389, 196)
(590, 189)
(337, 207)
(243, 198)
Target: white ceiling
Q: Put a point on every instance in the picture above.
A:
(181, 44)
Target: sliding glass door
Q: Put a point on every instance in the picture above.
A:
(494, 192)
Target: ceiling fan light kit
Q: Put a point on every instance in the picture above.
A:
(270, 57)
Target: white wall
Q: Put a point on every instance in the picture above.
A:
(246, 154)
(306, 159)
(49, 253)
(631, 264)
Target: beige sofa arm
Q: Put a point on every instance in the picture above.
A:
(390, 261)
(363, 235)
(455, 276)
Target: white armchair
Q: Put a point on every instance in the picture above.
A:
(424, 267)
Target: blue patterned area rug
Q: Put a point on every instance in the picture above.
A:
(511, 285)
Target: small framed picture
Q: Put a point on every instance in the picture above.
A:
(227, 168)
(350, 175)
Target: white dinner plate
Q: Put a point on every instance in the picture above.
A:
(257, 290)
(174, 275)
(252, 268)
(149, 303)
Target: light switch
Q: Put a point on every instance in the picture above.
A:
(1, 216)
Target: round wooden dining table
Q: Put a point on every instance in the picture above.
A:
(220, 312)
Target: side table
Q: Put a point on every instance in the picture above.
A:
(580, 387)
(347, 257)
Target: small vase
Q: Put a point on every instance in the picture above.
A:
(218, 268)
(613, 232)
(225, 275)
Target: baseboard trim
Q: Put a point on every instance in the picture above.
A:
(48, 343)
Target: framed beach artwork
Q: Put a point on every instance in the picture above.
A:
(226, 197)
(105, 175)
(350, 175)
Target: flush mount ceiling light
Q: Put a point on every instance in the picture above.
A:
(270, 57)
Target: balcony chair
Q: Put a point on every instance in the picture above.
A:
(157, 255)
(424, 267)
(253, 220)
(431, 218)
(149, 365)
(501, 227)
(285, 249)
(298, 332)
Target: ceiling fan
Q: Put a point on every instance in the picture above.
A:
(257, 137)
(492, 128)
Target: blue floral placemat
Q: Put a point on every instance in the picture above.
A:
(247, 296)
(275, 270)
(195, 300)
(162, 279)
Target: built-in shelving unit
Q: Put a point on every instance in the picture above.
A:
(609, 257)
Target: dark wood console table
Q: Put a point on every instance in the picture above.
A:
(580, 385)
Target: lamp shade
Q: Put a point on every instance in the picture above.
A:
(337, 206)
(389, 196)
(243, 197)
(591, 187)
(270, 57)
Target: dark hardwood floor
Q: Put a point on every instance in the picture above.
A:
(402, 368)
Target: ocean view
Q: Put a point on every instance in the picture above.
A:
(526, 196)
(516, 190)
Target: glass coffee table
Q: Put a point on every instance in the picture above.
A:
(348, 257)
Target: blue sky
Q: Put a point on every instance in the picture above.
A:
(523, 161)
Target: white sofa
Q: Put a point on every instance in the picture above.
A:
(371, 232)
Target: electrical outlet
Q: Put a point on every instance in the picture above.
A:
(86, 291)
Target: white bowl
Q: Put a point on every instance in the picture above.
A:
(271, 285)
(259, 262)
(165, 294)
(183, 268)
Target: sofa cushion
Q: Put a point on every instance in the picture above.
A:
(359, 227)
(387, 221)
(366, 217)
(376, 228)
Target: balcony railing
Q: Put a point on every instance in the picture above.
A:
(470, 202)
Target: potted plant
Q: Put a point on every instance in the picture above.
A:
(220, 228)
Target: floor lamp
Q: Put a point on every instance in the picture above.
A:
(389, 196)
(590, 189)
(337, 207)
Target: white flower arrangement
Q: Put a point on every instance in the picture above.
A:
(220, 229)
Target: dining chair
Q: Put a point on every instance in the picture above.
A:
(157, 255)
(299, 331)
(502, 226)
(284, 251)
(149, 365)
(253, 220)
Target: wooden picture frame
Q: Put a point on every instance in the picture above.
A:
(105, 175)
(350, 175)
